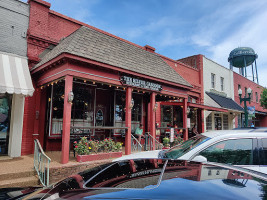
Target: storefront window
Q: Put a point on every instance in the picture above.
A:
(166, 115)
(136, 111)
(55, 105)
(5, 106)
(119, 112)
(209, 122)
(82, 112)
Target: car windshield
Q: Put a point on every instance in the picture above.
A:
(185, 147)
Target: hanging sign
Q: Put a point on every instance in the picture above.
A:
(126, 80)
(251, 111)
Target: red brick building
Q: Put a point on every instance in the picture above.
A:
(115, 83)
(92, 83)
(241, 82)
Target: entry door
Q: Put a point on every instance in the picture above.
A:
(218, 122)
(4, 123)
(103, 104)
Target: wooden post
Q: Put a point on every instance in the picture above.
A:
(185, 119)
(66, 121)
(153, 117)
(128, 120)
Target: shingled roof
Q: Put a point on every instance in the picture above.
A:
(97, 46)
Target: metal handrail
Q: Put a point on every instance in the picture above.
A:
(150, 141)
(41, 163)
(135, 145)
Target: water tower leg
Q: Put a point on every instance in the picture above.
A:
(245, 67)
(256, 72)
(252, 72)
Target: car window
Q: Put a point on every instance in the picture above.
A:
(234, 152)
(264, 146)
(185, 147)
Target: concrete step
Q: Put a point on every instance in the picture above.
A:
(10, 176)
(20, 182)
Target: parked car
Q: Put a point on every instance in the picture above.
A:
(246, 148)
(152, 179)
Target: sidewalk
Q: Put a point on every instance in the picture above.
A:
(58, 171)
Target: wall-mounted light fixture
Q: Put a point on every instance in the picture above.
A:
(155, 107)
(188, 110)
(132, 104)
(70, 97)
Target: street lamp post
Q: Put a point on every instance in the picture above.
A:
(245, 99)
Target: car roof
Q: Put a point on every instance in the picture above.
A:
(237, 133)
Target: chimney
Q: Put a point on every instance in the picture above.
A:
(150, 49)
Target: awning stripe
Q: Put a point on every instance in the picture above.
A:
(21, 78)
(15, 76)
(7, 73)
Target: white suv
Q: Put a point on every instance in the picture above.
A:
(245, 148)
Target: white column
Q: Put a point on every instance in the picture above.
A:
(16, 125)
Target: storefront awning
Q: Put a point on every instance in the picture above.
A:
(260, 113)
(210, 108)
(14, 75)
(225, 102)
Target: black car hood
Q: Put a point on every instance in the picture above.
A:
(159, 179)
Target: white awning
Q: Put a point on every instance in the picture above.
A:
(15, 75)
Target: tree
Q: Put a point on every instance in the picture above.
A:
(263, 99)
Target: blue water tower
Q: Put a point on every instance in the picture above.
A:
(242, 57)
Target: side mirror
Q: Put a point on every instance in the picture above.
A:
(200, 159)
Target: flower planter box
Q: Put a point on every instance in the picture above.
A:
(99, 156)
(165, 147)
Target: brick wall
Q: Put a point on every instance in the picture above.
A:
(14, 21)
(246, 83)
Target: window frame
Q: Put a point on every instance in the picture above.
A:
(213, 80)
(222, 83)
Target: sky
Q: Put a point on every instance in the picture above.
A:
(180, 28)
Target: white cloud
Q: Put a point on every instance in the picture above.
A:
(238, 25)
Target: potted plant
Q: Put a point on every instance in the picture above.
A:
(95, 150)
(166, 143)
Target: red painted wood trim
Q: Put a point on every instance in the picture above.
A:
(153, 117)
(128, 119)
(185, 119)
(66, 121)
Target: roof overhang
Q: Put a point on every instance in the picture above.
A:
(89, 61)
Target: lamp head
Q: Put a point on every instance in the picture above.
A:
(132, 104)
(70, 97)
(240, 92)
(249, 91)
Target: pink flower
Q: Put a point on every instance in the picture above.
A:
(76, 146)
(75, 142)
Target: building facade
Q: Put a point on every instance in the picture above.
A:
(91, 83)
(259, 119)
(219, 92)
(15, 79)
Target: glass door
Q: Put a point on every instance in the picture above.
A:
(5, 101)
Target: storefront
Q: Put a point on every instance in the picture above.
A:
(221, 119)
(15, 84)
(98, 94)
